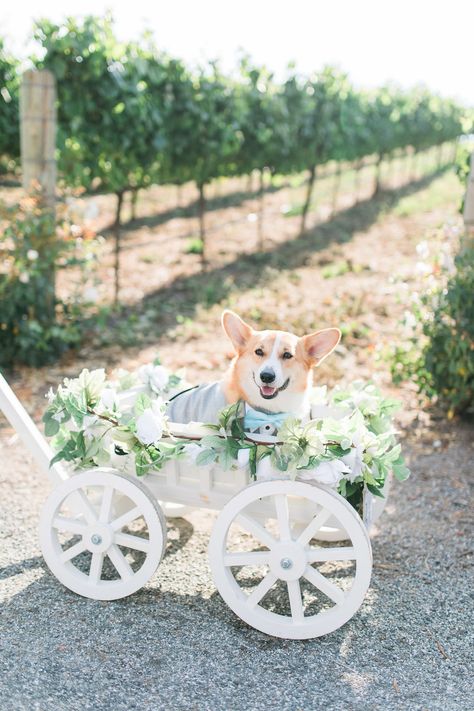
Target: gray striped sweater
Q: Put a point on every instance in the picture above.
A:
(200, 404)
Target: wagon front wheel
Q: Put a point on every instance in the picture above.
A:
(102, 535)
(271, 570)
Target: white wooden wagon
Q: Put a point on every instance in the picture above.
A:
(292, 559)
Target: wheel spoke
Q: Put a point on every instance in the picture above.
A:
(71, 525)
(296, 603)
(73, 551)
(283, 517)
(256, 529)
(320, 582)
(246, 558)
(135, 542)
(84, 505)
(317, 555)
(262, 588)
(126, 518)
(106, 504)
(122, 566)
(313, 526)
(95, 571)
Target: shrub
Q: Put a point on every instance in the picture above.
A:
(449, 353)
(444, 367)
(463, 166)
(9, 98)
(35, 325)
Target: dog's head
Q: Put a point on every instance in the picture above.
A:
(272, 370)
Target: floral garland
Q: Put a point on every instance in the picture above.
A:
(348, 444)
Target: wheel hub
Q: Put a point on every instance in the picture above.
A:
(99, 538)
(288, 561)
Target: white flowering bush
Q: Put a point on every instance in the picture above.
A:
(437, 350)
(349, 442)
(36, 326)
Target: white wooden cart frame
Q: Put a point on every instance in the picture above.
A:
(283, 524)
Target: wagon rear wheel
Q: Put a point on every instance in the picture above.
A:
(102, 534)
(272, 572)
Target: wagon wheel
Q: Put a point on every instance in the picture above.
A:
(102, 534)
(272, 572)
(332, 531)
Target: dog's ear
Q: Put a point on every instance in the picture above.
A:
(237, 330)
(318, 345)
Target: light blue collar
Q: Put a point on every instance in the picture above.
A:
(255, 419)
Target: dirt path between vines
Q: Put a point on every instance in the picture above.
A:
(174, 645)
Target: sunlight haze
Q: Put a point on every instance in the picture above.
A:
(407, 43)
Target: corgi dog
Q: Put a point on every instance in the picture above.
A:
(272, 372)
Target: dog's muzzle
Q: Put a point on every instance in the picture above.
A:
(267, 391)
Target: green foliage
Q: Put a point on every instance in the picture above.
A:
(463, 162)
(195, 246)
(9, 101)
(259, 114)
(463, 166)
(448, 357)
(90, 424)
(35, 325)
(443, 366)
(109, 104)
(314, 109)
(201, 127)
(129, 115)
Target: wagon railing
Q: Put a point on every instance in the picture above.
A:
(29, 433)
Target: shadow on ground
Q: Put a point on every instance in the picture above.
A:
(183, 295)
(217, 202)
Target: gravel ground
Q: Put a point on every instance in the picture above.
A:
(175, 645)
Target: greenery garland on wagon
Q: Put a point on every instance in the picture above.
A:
(349, 444)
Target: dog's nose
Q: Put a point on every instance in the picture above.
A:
(267, 376)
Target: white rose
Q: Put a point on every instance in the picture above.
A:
(243, 456)
(266, 470)
(192, 450)
(108, 399)
(354, 461)
(24, 277)
(32, 254)
(150, 424)
(155, 376)
(329, 473)
(90, 426)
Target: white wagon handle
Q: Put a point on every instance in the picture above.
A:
(29, 433)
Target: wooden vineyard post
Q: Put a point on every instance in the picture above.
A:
(38, 144)
(469, 200)
(38, 133)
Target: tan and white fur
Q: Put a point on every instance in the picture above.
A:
(273, 370)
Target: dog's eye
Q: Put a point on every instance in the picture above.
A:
(259, 352)
(287, 355)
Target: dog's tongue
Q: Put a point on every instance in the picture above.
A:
(267, 390)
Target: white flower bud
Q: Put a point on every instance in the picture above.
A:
(149, 426)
